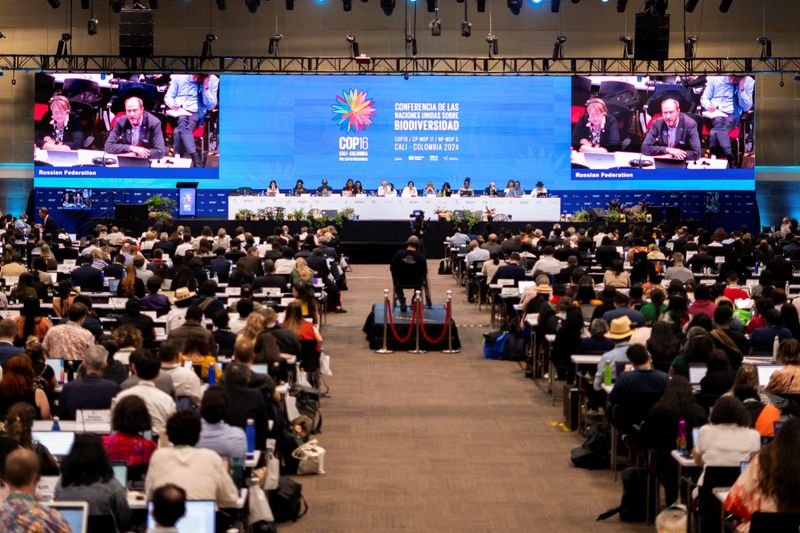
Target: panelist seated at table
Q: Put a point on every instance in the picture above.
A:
(299, 189)
(324, 189)
(59, 129)
(596, 131)
(466, 189)
(349, 188)
(137, 134)
(673, 135)
(492, 190)
(540, 191)
(272, 189)
(409, 191)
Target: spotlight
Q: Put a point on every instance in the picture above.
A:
(555, 5)
(411, 45)
(725, 5)
(207, 52)
(436, 24)
(627, 46)
(116, 5)
(252, 5)
(347, 5)
(466, 28)
(273, 44)
(558, 47)
(494, 47)
(688, 46)
(431, 6)
(221, 4)
(514, 6)
(63, 45)
(766, 47)
(92, 26)
(388, 7)
(621, 5)
(481, 6)
(54, 3)
(289, 5)
(690, 5)
(352, 43)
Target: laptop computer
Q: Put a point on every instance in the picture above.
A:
(200, 517)
(120, 469)
(59, 443)
(765, 372)
(599, 159)
(125, 161)
(58, 367)
(75, 513)
(259, 369)
(57, 158)
(668, 163)
(697, 373)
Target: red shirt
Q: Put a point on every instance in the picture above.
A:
(135, 449)
(735, 293)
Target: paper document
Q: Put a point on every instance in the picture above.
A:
(714, 114)
(178, 113)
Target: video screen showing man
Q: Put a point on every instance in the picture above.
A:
(725, 99)
(673, 134)
(188, 98)
(137, 134)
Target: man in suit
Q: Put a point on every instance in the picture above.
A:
(48, 224)
(673, 135)
(92, 391)
(8, 330)
(137, 134)
(86, 276)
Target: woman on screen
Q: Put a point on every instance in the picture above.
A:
(596, 131)
(59, 129)
(272, 188)
(409, 190)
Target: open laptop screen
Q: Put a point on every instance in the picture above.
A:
(200, 517)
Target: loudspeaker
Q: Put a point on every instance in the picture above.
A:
(652, 37)
(571, 399)
(130, 211)
(136, 33)
(673, 214)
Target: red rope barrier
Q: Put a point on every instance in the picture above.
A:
(410, 325)
(440, 338)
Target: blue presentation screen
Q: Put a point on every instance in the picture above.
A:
(371, 128)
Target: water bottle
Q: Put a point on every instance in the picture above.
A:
(56, 425)
(212, 373)
(250, 432)
(755, 269)
(775, 343)
(607, 374)
(683, 449)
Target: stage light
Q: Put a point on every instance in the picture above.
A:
(766, 47)
(514, 6)
(481, 6)
(558, 47)
(494, 47)
(627, 46)
(352, 44)
(466, 28)
(207, 51)
(688, 46)
(555, 5)
(289, 5)
(92, 26)
(54, 3)
(116, 5)
(272, 49)
(621, 5)
(536, 1)
(62, 50)
(388, 7)
(436, 24)
(347, 5)
(690, 5)
(222, 4)
(252, 5)
(411, 45)
(725, 5)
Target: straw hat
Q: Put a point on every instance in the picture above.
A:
(620, 328)
(544, 288)
(182, 293)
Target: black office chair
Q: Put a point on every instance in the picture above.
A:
(101, 523)
(709, 508)
(775, 523)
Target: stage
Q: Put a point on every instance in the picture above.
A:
(433, 322)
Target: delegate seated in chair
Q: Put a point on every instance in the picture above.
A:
(196, 94)
(673, 134)
(409, 270)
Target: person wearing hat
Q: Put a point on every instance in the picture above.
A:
(620, 332)
(539, 191)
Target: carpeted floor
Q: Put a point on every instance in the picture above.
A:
(441, 442)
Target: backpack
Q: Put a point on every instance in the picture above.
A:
(287, 502)
(516, 347)
(494, 344)
(634, 505)
(308, 404)
(444, 267)
(595, 451)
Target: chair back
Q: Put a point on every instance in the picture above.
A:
(309, 355)
(714, 477)
(101, 523)
(775, 523)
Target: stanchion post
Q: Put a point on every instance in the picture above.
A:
(417, 303)
(449, 325)
(386, 312)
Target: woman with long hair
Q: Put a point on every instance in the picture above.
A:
(304, 295)
(252, 328)
(663, 345)
(32, 321)
(769, 484)
(131, 285)
(616, 276)
(302, 329)
(653, 310)
(17, 385)
(49, 259)
(302, 273)
(568, 338)
(63, 297)
(19, 424)
(197, 350)
(86, 476)
(25, 288)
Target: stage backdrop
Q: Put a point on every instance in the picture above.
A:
(425, 128)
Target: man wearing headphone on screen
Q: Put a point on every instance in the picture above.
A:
(672, 135)
(137, 134)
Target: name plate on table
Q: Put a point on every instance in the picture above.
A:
(118, 303)
(509, 291)
(94, 420)
(720, 259)
(233, 291)
(64, 269)
(274, 292)
(70, 262)
(286, 301)
(10, 281)
(9, 313)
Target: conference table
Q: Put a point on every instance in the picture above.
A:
(399, 208)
